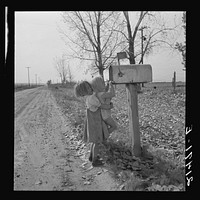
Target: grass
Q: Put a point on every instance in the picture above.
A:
(162, 123)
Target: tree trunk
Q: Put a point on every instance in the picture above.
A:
(132, 59)
(131, 52)
(99, 52)
(101, 71)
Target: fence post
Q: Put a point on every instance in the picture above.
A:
(174, 82)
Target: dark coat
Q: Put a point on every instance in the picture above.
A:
(96, 130)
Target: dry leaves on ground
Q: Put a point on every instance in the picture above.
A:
(162, 123)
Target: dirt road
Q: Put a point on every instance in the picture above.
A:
(45, 153)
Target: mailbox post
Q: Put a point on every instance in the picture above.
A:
(134, 134)
(131, 75)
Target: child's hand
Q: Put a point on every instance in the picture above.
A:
(110, 83)
(107, 86)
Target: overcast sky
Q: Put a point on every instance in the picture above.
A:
(37, 42)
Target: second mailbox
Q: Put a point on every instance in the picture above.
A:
(121, 74)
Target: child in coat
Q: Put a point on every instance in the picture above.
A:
(105, 95)
(95, 130)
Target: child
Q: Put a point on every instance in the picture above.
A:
(84, 89)
(105, 98)
(94, 128)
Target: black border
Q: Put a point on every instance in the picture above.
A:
(7, 77)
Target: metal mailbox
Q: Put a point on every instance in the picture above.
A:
(134, 73)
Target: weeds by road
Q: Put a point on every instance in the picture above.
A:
(162, 124)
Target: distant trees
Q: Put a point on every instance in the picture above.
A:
(70, 76)
(49, 82)
(64, 72)
(60, 67)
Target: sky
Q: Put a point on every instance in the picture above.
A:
(38, 42)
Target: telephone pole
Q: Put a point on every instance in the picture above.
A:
(142, 44)
(142, 39)
(28, 76)
(36, 79)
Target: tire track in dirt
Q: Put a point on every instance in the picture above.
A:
(36, 161)
(24, 111)
(22, 99)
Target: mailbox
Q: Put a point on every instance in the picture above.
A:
(122, 74)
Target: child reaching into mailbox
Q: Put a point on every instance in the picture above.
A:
(105, 95)
(95, 129)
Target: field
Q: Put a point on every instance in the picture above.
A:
(162, 129)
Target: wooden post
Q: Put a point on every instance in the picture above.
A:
(132, 75)
(174, 81)
(132, 99)
(118, 61)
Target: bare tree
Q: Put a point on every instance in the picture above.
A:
(94, 37)
(60, 67)
(49, 83)
(70, 76)
(157, 34)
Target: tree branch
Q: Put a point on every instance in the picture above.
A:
(128, 24)
(106, 18)
(86, 31)
(138, 23)
(83, 58)
(92, 27)
(108, 38)
(76, 43)
(122, 33)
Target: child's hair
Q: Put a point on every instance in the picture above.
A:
(80, 89)
(96, 82)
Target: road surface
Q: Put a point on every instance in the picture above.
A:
(44, 155)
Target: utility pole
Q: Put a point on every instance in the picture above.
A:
(142, 45)
(36, 79)
(28, 76)
(142, 39)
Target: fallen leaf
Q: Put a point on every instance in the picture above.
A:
(98, 173)
(38, 182)
(91, 167)
(87, 183)
(83, 164)
(122, 187)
